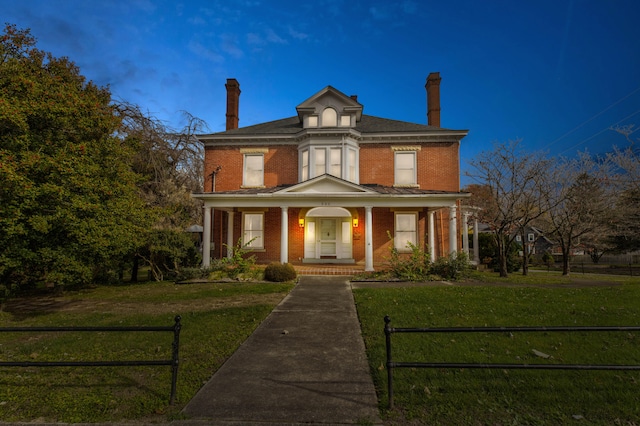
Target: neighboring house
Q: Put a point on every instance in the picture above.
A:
(535, 242)
(331, 184)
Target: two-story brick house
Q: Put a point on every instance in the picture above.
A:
(331, 184)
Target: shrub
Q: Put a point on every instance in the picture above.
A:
(413, 266)
(239, 263)
(278, 272)
(452, 267)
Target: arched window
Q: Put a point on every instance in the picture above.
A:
(329, 117)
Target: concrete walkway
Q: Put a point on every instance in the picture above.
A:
(305, 364)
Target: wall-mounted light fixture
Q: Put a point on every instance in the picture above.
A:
(301, 223)
(355, 222)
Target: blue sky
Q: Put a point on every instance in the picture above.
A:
(555, 73)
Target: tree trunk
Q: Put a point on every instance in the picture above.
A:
(502, 254)
(134, 269)
(565, 261)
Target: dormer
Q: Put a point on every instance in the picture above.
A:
(329, 108)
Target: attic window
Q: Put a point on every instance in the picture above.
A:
(329, 117)
(312, 121)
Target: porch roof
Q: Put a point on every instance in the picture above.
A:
(342, 193)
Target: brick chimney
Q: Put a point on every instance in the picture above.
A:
(433, 99)
(233, 103)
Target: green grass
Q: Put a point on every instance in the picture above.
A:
(455, 396)
(216, 319)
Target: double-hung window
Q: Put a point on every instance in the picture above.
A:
(253, 175)
(405, 168)
(406, 231)
(304, 171)
(335, 158)
(253, 230)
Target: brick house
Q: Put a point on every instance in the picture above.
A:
(331, 184)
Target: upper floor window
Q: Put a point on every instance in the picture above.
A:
(304, 169)
(253, 173)
(335, 162)
(351, 165)
(320, 161)
(329, 117)
(338, 161)
(405, 168)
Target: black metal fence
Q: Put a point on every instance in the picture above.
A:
(173, 362)
(388, 331)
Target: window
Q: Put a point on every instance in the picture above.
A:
(405, 168)
(253, 233)
(304, 171)
(351, 165)
(320, 161)
(531, 238)
(345, 121)
(329, 117)
(406, 231)
(313, 121)
(335, 168)
(518, 238)
(253, 170)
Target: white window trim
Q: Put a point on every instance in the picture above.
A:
(256, 244)
(414, 182)
(246, 184)
(403, 247)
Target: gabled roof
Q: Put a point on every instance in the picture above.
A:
(330, 95)
(326, 184)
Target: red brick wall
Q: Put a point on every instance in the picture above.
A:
(438, 165)
(280, 166)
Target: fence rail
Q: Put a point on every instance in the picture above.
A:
(173, 362)
(388, 331)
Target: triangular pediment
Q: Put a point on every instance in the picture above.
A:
(330, 97)
(326, 184)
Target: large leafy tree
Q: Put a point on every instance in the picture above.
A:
(69, 204)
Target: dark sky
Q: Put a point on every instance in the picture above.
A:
(557, 74)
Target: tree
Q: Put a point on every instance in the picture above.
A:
(171, 169)
(69, 204)
(580, 205)
(624, 164)
(510, 181)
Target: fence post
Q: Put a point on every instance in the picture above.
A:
(175, 359)
(387, 333)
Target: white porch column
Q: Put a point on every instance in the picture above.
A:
(453, 230)
(368, 239)
(284, 235)
(432, 235)
(465, 233)
(206, 238)
(476, 243)
(230, 242)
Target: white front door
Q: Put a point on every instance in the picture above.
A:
(327, 237)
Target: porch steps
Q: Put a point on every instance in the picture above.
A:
(328, 269)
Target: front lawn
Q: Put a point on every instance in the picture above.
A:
(470, 396)
(216, 319)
